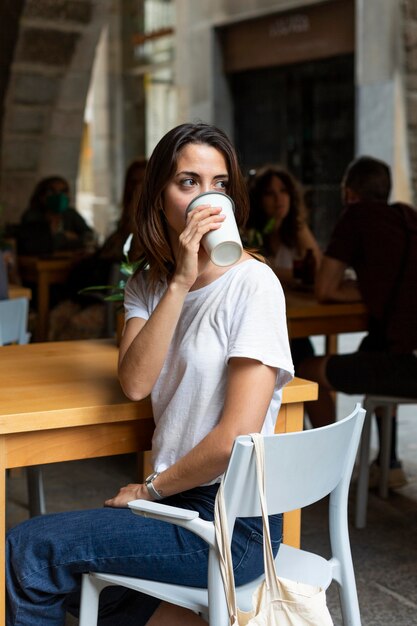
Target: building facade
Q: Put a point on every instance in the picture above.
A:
(87, 85)
(307, 83)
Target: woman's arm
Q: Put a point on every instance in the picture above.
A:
(306, 241)
(331, 284)
(144, 344)
(250, 385)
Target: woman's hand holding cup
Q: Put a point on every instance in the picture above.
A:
(222, 243)
(200, 220)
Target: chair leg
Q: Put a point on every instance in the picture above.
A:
(385, 447)
(363, 480)
(90, 596)
(349, 603)
(36, 492)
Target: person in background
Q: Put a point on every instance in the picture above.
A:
(278, 220)
(379, 241)
(210, 345)
(277, 225)
(112, 248)
(50, 224)
(86, 315)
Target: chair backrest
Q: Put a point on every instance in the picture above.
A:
(13, 321)
(300, 468)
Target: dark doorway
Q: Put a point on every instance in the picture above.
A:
(302, 116)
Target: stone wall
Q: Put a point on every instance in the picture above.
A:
(46, 95)
(410, 47)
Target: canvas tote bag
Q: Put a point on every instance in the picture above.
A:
(277, 601)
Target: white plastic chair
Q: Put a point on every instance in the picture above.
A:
(300, 468)
(13, 321)
(13, 329)
(388, 405)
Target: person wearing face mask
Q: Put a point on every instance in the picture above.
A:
(50, 224)
(81, 315)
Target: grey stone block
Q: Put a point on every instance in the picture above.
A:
(27, 120)
(60, 10)
(74, 89)
(16, 189)
(21, 154)
(411, 60)
(67, 123)
(35, 88)
(410, 34)
(61, 155)
(412, 110)
(46, 46)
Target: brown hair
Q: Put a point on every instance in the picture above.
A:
(258, 183)
(369, 178)
(150, 220)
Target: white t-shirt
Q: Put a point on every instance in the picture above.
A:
(285, 256)
(240, 314)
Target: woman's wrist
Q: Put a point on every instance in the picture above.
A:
(177, 287)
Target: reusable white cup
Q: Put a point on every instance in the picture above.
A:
(223, 245)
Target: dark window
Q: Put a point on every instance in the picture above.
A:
(302, 116)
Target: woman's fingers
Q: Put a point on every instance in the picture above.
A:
(200, 221)
(125, 495)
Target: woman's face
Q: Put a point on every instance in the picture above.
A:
(276, 199)
(200, 168)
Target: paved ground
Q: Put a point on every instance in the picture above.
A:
(385, 553)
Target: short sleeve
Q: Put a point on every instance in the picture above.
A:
(135, 300)
(342, 243)
(259, 324)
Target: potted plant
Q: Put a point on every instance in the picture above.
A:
(115, 293)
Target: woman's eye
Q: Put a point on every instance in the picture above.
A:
(188, 182)
(222, 184)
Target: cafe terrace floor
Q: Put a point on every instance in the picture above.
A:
(384, 553)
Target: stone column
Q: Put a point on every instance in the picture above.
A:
(381, 129)
(46, 95)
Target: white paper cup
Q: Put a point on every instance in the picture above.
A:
(223, 245)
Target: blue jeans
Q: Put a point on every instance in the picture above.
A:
(47, 555)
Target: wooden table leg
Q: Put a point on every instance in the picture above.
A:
(331, 348)
(290, 419)
(43, 306)
(331, 344)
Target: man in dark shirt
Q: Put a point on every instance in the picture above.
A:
(379, 241)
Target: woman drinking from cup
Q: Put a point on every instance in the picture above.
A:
(210, 344)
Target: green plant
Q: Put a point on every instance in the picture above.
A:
(127, 268)
(255, 238)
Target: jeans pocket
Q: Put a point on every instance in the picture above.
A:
(247, 547)
(199, 499)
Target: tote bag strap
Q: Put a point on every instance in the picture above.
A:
(225, 555)
(223, 538)
(269, 562)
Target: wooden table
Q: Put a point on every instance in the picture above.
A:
(18, 291)
(306, 317)
(62, 401)
(44, 272)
